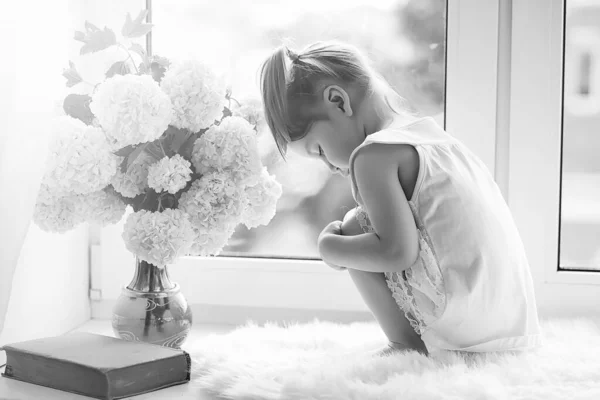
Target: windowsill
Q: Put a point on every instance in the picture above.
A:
(234, 282)
(212, 315)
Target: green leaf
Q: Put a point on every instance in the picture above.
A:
(139, 200)
(149, 201)
(124, 166)
(158, 66)
(79, 36)
(180, 136)
(155, 150)
(91, 27)
(139, 49)
(186, 149)
(95, 39)
(134, 155)
(169, 200)
(125, 151)
(78, 106)
(143, 69)
(127, 200)
(136, 28)
(158, 72)
(162, 61)
(118, 68)
(73, 77)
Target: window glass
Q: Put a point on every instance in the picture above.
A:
(404, 39)
(580, 186)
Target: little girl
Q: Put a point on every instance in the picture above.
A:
(431, 246)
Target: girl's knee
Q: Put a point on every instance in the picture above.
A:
(350, 225)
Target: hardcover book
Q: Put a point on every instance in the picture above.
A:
(97, 366)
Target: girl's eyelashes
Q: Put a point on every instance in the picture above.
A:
(321, 151)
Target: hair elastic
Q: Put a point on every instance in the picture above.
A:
(293, 56)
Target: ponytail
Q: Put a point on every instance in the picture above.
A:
(273, 85)
(290, 85)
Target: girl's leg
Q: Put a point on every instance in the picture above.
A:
(378, 297)
(373, 288)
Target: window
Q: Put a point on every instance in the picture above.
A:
(442, 56)
(405, 40)
(503, 79)
(580, 191)
(538, 140)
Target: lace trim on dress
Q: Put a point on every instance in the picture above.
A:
(419, 290)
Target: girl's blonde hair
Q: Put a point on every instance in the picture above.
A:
(291, 85)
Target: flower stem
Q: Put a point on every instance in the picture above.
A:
(237, 102)
(162, 148)
(130, 58)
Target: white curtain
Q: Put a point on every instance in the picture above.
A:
(34, 39)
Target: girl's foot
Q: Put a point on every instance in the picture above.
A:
(395, 348)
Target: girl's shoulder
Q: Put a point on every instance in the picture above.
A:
(397, 141)
(390, 152)
(402, 161)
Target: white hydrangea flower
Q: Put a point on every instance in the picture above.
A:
(197, 95)
(159, 238)
(79, 160)
(261, 200)
(57, 213)
(47, 195)
(215, 204)
(169, 174)
(250, 109)
(231, 146)
(102, 207)
(135, 180)
(131, 109)
(210, 243)
(54, 213)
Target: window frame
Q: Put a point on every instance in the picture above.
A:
(471, 64)
(535, 147)
(469, 17)
(486, 79)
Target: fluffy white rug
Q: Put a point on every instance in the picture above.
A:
(324, 360)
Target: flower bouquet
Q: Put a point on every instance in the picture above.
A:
(167, 140)
(163, 139)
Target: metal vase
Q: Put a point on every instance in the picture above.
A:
(152, 309)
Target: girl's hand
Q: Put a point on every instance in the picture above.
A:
(334, 228)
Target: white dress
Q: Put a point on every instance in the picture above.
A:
(471, 287)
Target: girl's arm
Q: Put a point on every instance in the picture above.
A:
(394, 244)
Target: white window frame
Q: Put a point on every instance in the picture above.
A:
(471, 114)
(487, 79)
(534, 155)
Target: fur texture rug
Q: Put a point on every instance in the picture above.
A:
(323, 360)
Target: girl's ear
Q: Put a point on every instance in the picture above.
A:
(336, 98)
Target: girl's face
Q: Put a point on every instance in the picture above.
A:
(333, 140)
